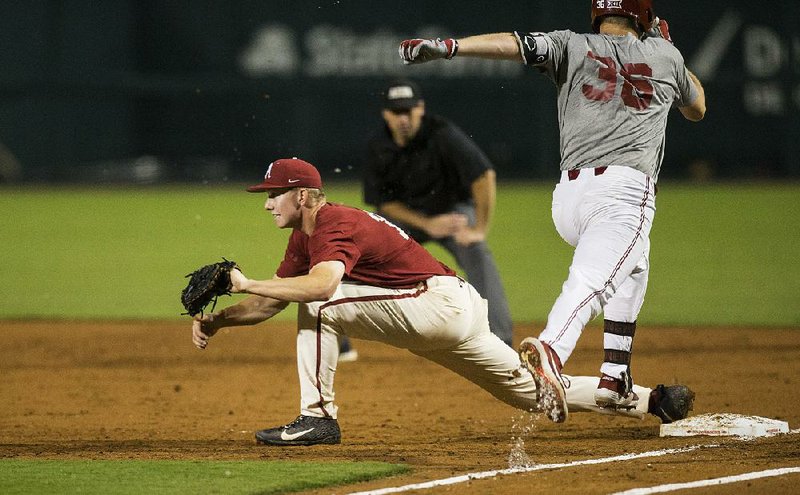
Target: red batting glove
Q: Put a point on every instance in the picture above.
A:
(417, 50)
(659, 29)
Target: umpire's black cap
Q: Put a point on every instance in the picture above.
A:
(401, 94)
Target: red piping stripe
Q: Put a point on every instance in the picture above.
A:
(347, 300)
(318, 365)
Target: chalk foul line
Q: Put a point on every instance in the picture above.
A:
(713, 482)
(539, 467)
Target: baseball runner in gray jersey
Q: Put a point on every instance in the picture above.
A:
(615, 90)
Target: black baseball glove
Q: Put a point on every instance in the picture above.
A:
(206, 284)
(672, 402)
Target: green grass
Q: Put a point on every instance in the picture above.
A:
(178, 477)
(726, 255)
(721, 254)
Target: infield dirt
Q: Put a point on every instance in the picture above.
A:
(140, 390)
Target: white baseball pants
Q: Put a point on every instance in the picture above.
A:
(444, 320)
(607, 218)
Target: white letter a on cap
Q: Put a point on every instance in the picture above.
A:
(269, 171)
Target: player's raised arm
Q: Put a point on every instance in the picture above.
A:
(697, 109)
(502, 46)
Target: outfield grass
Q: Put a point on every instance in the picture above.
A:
(181, 477)
(721, 254)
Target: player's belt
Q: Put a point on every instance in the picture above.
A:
(573, 174)
(437, 280)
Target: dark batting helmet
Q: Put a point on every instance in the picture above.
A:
(640, 11)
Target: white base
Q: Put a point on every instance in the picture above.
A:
(725, 424)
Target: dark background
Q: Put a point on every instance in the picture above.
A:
(153, 91)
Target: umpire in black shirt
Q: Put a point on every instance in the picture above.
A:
(428, 177)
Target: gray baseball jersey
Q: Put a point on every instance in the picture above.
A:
(614, 95)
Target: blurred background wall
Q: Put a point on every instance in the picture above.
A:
(176, 90)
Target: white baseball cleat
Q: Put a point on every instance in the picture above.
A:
(616, 393)
(545, 367)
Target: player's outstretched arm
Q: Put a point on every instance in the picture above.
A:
(502, 46)
(499, 46)
(318, 285)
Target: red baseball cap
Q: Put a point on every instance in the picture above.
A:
(288, 173)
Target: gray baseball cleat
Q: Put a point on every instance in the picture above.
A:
(671, 402)
(545, 367)
(305, 430)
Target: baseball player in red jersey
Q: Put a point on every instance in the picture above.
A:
(615, 90)
(356, 274)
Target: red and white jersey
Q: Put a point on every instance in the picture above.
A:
(374, 251)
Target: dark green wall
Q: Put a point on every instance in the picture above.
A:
(89, 88)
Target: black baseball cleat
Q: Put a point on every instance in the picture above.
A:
(305, 430)
(671, 402)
